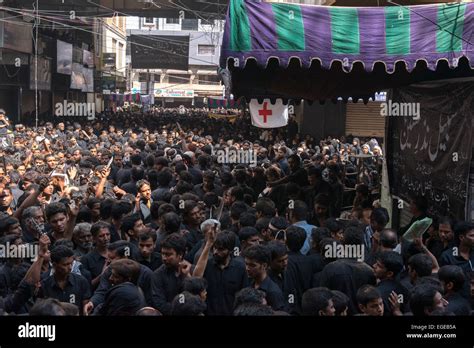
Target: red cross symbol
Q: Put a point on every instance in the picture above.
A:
(265, 112)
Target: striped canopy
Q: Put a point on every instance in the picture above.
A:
(260, 30)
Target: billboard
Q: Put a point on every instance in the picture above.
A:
(77, 77)
(429, 155)
(15, 35)
(44, 74)
(108, 60)
(64, 60)
(88, 59)
(88, 80)
(160, 52)
(174, 93)
(77, 55)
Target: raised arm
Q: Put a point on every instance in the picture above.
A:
(203, 258)
(32, 198)
(103, 180)
(33, 275)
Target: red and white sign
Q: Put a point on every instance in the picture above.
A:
(268, 115)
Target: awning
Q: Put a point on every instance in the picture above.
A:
(319, 52)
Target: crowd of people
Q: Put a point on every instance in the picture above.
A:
(134, 214)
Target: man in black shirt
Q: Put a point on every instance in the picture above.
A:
(316, 186)
(124, 296)
(297, 175)
(387, 267)
(95, 261)
(425, 299)
(446, 237)
(257, 259)
(453, 279)
(147, 255)
(318, 302)
(418, 208)
(132, 227)
(62, 284)
(117, 251)
(278, 263)
(33, 224)
(369, 301)
(419, 265)
(348, 275)
(225, 275)
(461, 255)
(192, 219)
(300, 270)
(208, 185)
(167, 281)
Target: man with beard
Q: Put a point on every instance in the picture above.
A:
(225, 275)
(192, 219)
(208, 180)
(95, 261)
(33, 224)
(82, 238)
(462, 254)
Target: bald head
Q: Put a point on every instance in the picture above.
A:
(388, 239)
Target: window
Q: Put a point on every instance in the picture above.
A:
(190, 24)
(172, 20)
(206, 50)
(142, 77)
(209, 80)
(179, 79)
(149, 21)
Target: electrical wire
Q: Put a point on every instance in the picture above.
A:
(138, 44)
(35, 40)
(124, 67)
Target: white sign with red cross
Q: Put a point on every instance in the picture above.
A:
(268, 115)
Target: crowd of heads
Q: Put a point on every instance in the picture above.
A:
(134, 214)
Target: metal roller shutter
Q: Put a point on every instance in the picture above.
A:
(365, 120)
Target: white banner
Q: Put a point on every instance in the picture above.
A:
(268, 115)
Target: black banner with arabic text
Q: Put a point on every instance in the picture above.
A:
(429, 155)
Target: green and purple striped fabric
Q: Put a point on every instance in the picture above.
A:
(262, 30)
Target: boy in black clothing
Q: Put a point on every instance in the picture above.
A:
(370, 301)
(453, 279)
(257, 260)
(386, 268)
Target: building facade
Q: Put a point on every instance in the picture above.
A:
(191, 81)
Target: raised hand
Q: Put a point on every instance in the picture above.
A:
(44, 242)
(72, 172)
(185, 268)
